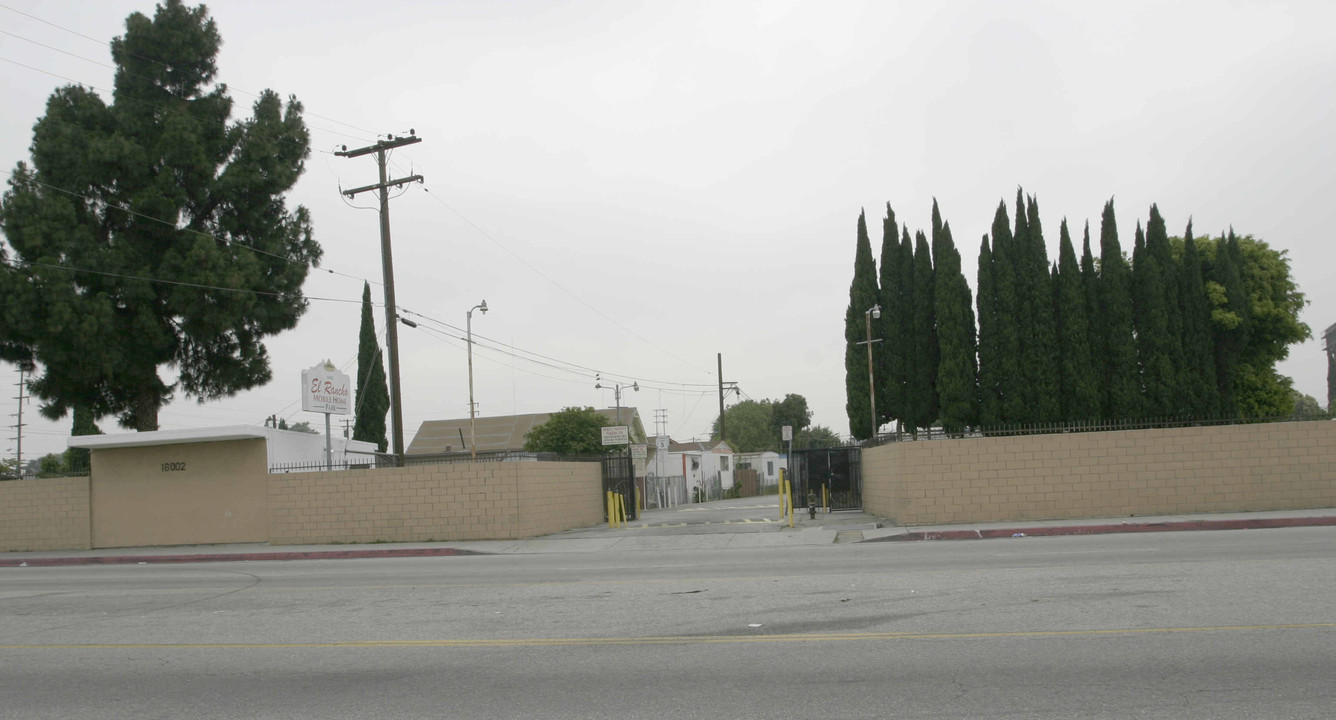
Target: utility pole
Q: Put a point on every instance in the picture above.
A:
(720, 358)
(387, 269)
(18, 426)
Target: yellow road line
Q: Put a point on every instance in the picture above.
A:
(677, 640)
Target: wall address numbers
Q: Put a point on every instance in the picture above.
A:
(173, 467)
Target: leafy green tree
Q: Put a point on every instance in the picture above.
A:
(1256, 319)
(1307, 407)
(153, 231)
(791, 411)
(1095, 332)
(373, 398)
(1079, 388)
(957, 375)
(303, 426)
(51, 465)
(921, 392)
(1201, 396)
(572, 431)
(751, 426)
(895, 263)
(1120, 383)
(863, 294)
(79, 459)
(282, 424)
(817, 436)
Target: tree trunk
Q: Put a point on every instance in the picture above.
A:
(146, 411)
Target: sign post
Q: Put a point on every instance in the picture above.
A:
(326, 390)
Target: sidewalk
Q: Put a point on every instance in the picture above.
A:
(826, 529)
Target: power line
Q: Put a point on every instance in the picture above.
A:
(556, 284)
(230, 241)
(168, 282)
(155, 61)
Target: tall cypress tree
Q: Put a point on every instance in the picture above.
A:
(1040, 351)
(1230, 322)
(891, 381)
(1201, 396)
(1010, 381)
(1157, 244)
(957, 376)
(863, 294)
(921, 392)
(990, 395)
(1079, 387)
(1094, 320)
(1121, 389)
(373, 399)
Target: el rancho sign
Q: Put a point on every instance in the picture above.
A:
(326, 390)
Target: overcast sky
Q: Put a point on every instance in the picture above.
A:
(635, 187)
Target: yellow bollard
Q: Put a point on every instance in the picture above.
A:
(612, 515)
(621, 509)
(790, 488)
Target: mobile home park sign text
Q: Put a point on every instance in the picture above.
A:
(326, 390)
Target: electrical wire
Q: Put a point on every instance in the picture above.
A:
(155, 61)
(201, 233)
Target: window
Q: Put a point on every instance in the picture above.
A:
(723, 463)
(769, 468)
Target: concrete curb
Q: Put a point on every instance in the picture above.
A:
(1107, 529)
(235, 557)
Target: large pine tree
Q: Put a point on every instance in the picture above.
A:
(1201, 396)
(1120, 384)
(373, 398)
(1079, 384)
(1230, 322)
(153, 232)
(863, 295)
(957, 376)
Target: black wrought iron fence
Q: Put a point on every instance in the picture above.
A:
(1014, 429)
(379, 460)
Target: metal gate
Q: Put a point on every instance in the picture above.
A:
(619, 476)
(833, 473)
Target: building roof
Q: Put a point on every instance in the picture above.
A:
(714, 446)
(498, 434)
(171, 437)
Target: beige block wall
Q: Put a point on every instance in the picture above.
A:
(207, 492)
(44, 514)
(556, 496)
(476, 501)
(1139, 472)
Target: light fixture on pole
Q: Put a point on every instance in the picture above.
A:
(872, 313)
(468, 317)
(617, 393)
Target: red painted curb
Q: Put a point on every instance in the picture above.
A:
(1109, 529)
(234, 557)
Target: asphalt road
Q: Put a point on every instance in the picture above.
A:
(1236, 624)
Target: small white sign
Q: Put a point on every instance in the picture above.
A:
(616, 435)
(326, 390)
(639, 451)
(661, 443)
(787, 433)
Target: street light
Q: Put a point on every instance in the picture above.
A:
(617, 393)
(873, 313)
(473, 440)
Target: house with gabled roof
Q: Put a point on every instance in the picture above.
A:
(505, 433)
